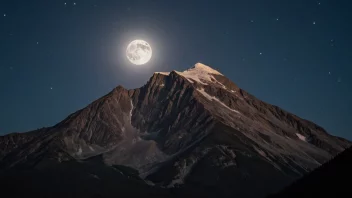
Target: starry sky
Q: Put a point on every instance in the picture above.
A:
(58, 56)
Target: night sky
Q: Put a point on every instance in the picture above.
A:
(58, 56)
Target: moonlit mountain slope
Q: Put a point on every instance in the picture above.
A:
(183, 133)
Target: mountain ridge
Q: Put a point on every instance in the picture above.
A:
(179, 126)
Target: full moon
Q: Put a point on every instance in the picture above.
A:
(139, 52)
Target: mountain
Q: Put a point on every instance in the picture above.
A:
(190, 133)
(329, 180)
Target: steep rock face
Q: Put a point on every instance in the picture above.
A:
(109, 115)
(167, 110)
(88, 132)
(14, 141)
(195, 131)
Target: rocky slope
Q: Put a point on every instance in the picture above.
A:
(193, 131)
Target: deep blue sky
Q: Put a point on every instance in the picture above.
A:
(57, 58)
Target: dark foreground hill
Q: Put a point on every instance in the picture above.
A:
(332, 179)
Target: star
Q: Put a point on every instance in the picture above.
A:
(51, 88)
(313, 22)
(277, 19)
(74, 3)
(318, 3)
(339, 80)
(329, 73)
(260, 53)
(332, 42)
(4, 15)
(37, 43)
(252, 21)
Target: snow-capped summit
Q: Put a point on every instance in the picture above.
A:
(199, 73)
(162, 73)
(204, 68)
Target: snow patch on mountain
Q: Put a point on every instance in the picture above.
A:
(185, 166)
(301, 137)
(79, 152)
(214, 80)
(209, 97)
(131, 112)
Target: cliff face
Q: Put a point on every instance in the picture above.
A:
(194, 131)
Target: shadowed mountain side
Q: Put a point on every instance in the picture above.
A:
(332, 179)
(75, 179)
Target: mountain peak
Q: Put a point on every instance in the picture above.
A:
(198, 67)
(204, 68)
(162, 73)
(199, 73)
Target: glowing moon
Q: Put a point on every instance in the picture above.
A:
(139, 52)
